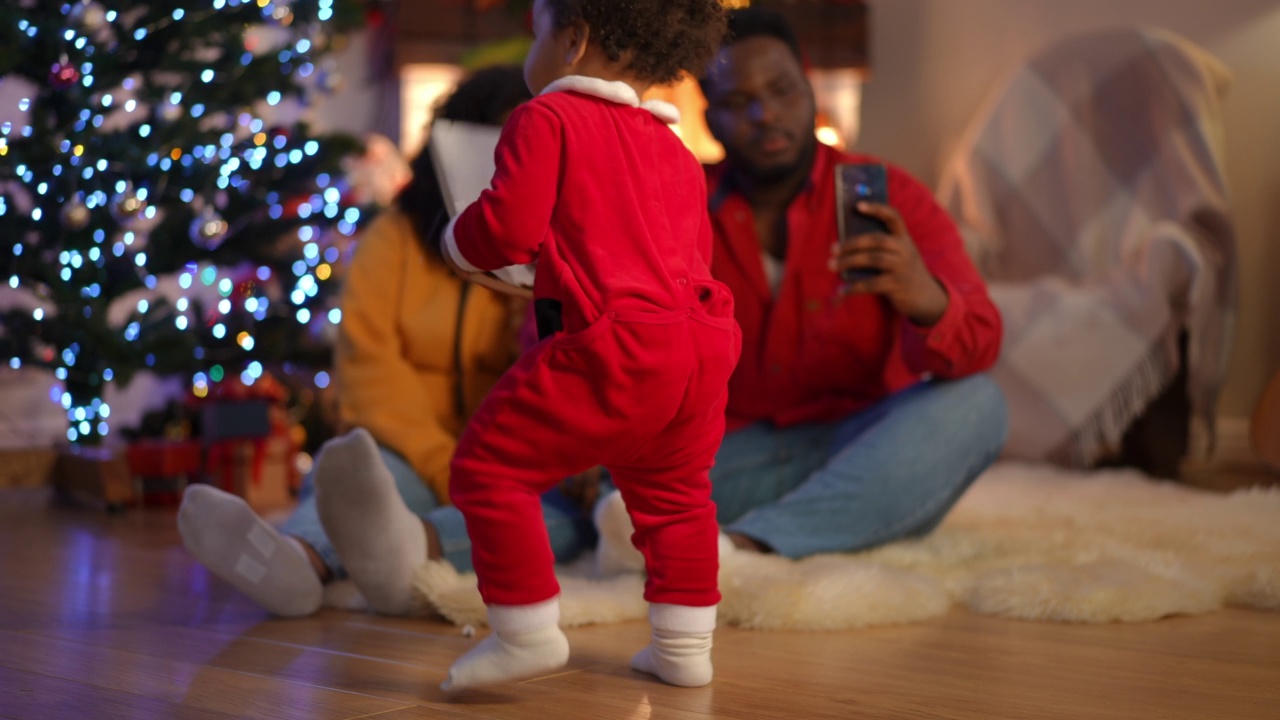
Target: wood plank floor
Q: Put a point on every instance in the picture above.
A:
(105, 617)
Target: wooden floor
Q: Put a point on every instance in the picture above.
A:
(107, 617)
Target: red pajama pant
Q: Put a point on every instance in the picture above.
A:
(642, 393)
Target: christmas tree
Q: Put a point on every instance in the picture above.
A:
(154, 156)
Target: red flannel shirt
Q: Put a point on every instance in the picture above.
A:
(811, 355)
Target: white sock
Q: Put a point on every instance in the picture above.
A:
(229, 538)
(680, 652)
(726, 547)
(526, 642)
(380, 542)
(615, 554)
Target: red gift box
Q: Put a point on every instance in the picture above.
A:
(163, 468)
(261, 471)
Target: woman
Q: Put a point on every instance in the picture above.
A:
(419, 348)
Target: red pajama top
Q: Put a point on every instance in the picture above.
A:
(811, 355)
(595, 187)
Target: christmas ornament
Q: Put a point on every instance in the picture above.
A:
(89, 15)
(127, 205)
(331, 81)
(209, 229)
(75, 215)
(63, 75)
(282, 14)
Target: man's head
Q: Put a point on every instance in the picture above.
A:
(760, 103)
(652, 42)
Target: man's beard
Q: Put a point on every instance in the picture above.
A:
(762, 177)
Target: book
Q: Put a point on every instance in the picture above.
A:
(462, 155)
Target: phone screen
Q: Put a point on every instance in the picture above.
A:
(855, 183)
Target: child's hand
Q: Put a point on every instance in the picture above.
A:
(453, 266)
(485, 279)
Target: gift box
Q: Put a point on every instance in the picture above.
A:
(163, 468)
(262, 471)
(234, 410)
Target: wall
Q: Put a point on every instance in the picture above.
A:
(936, 60)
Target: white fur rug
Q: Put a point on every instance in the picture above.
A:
(1026, 542)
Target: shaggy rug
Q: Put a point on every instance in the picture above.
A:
(1026, 541)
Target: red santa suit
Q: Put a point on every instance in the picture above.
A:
(594, 186)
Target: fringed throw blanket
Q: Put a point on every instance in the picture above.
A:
(1092, 196)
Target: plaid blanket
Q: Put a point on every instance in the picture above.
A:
(1092, 196)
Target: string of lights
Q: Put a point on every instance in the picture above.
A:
(157, 207)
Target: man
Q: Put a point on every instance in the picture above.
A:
(857, 414)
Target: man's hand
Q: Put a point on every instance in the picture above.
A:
(903, 277)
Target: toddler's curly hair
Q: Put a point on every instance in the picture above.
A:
(658, 39)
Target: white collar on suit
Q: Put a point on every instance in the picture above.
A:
(614, 91)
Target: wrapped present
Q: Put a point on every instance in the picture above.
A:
(251, 443)
(235, 411)
(163, 468)
(262, 471)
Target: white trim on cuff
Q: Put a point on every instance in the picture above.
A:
(450, 245)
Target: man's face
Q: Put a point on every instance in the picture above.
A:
(761, 108)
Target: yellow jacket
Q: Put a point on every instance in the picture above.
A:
(398, 357)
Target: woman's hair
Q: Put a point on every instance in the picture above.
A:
(658, 40)
(487, 98)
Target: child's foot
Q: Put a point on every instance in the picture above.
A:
(680, 652)
(505, 657)
(229, 538)
(526, 642)
(614, 552)
(379, 541)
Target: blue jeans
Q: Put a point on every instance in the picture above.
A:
(891, 471)
(568, 529)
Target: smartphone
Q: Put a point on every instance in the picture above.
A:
(855, 183)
